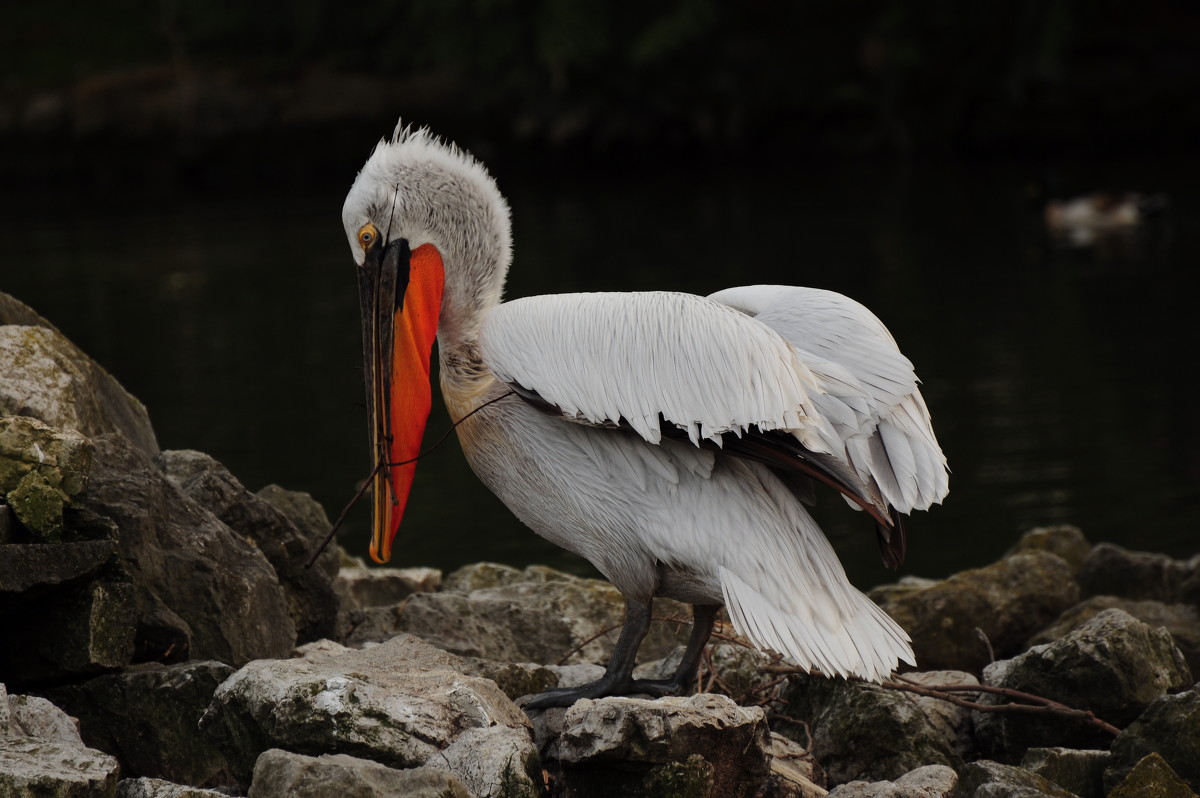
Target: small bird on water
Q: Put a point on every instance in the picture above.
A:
(672, 440)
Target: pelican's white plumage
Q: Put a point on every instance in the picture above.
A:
(657, 514)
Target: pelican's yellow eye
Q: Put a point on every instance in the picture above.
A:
(367, 236)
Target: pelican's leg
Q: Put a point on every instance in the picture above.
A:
(618, 677)
(703, 618)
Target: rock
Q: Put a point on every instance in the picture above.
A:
(950, 722)
(8, 524)
(1008, 600)
(480, 575)
(515, 679)
(41, 470)
(987, 779)
(1113, 571)
(1064, 540)
(532, 621)
(280, 774)
(31, 768)
(1181, 620)
(34, 569)
(309, 591)
(400, 703)
(1078, 771)
(931, 781)
(192, 564)
(1115, 665)
(14, 311)
(492, 762)
(794, 773)
(147, 717)
(738, 666)
(48, 378)
(309, 517)
(863, 731)
(78, 630)
(380, 587)
(633, 746)
(158, 788)
(1170, 726)
(33, 716)
(1152, 777)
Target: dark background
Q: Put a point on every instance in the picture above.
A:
(202, 94)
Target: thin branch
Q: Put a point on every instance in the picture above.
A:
(1034, 704)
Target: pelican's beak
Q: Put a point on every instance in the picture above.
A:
(400, 297)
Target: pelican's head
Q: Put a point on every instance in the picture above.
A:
(429, 233)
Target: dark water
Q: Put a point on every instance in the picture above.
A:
(1061, 380)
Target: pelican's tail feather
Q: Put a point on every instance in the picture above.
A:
(849, 636)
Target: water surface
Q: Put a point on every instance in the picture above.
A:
(1060, 379)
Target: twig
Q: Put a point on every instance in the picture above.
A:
(988, 643)
(1035, 704)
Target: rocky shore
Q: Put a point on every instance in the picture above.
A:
(160, 637)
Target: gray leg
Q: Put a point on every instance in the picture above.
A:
(703, 618)
(618, 677)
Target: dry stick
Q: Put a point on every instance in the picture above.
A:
(942, 692)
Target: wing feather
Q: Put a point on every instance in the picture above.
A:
(870, 395)
(643, 359)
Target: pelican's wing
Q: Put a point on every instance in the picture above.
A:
(654, 359)
(869, 391)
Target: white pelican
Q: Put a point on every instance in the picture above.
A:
(667, 438)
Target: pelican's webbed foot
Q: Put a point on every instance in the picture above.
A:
(618, 677)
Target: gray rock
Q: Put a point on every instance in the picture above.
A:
(147, 716)
(34, 716)
(357, 588)
(42, 469)
(866, 732)
(1064, 540)
(931, 781)
(1008, 601)
(400, 703)
(1170, 726)
(309, 517)
(281, 774)
(31, 768)
(1113, 571)
(158, 788)
(1152, 777)
(309, 591)
(480, 575)
(632, 746)
(950, 722)
(1181, 620)
(212, 579)
(794, 772)
(987, 779)
(515, 679)
(534, 621)
(48, 378)
(492, 762)
(1079, 771)
(1115, 665)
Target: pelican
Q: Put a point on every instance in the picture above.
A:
(672, 440)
